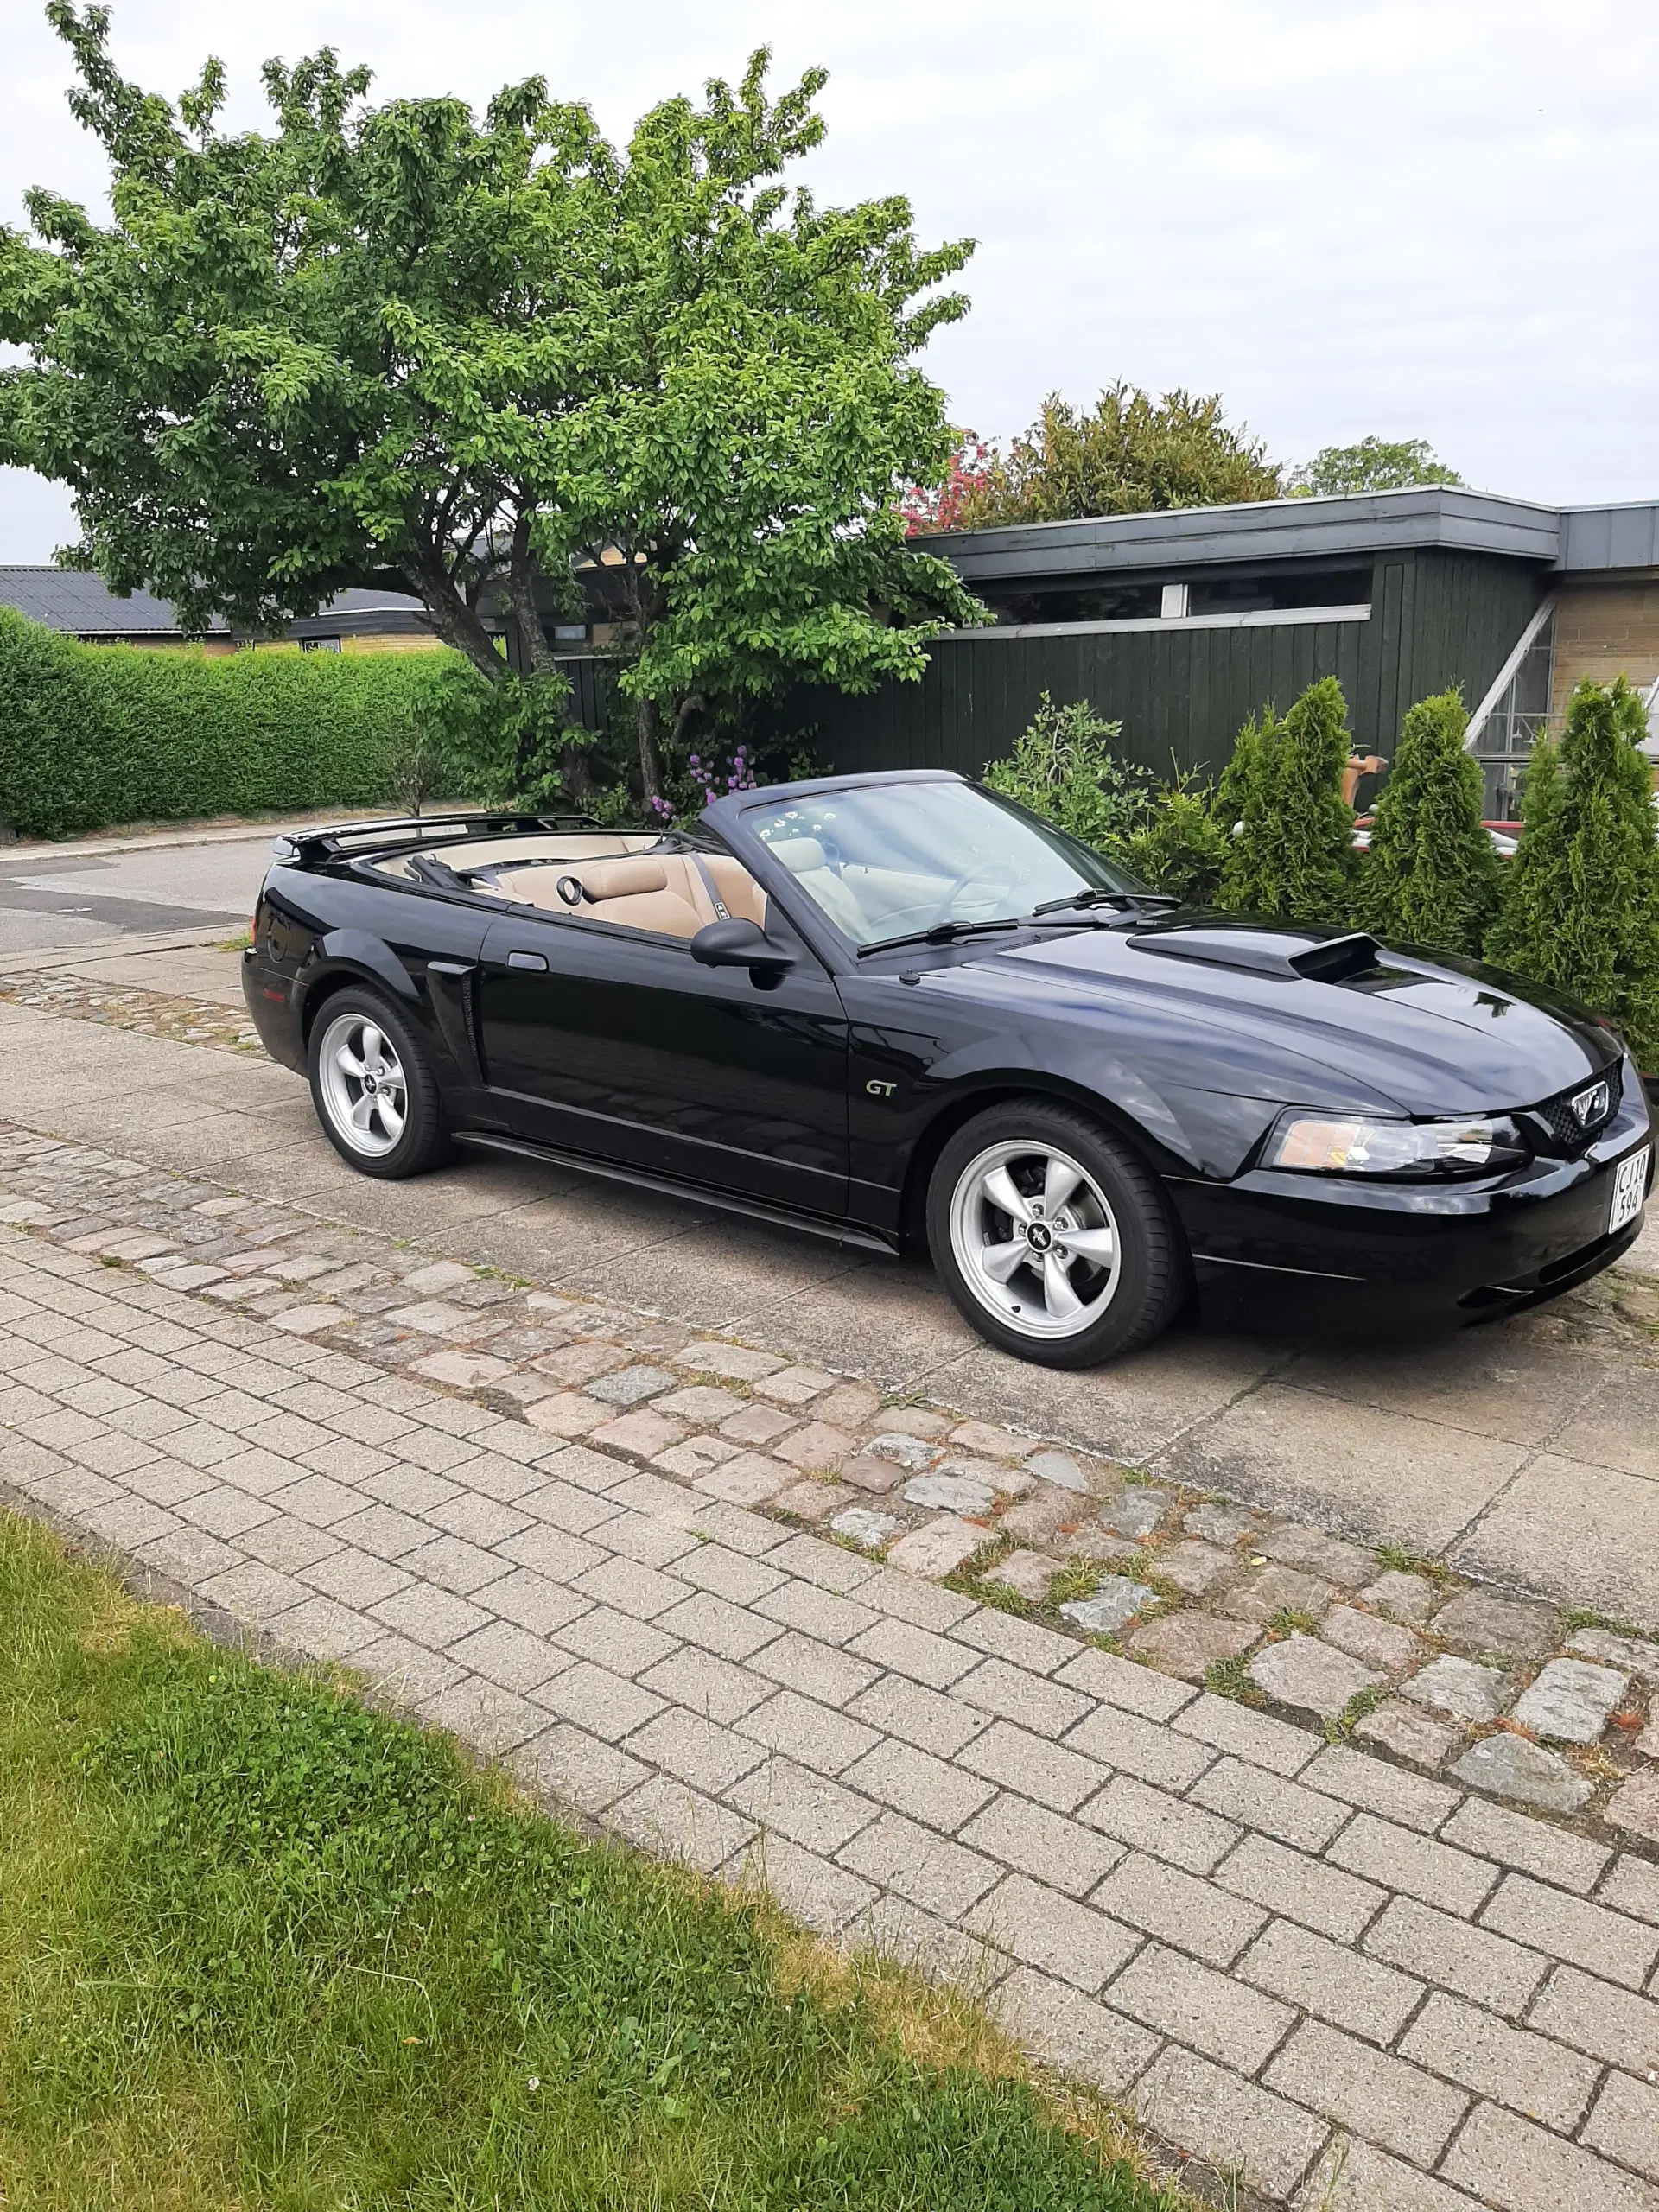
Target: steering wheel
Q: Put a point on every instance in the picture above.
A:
(998, 877)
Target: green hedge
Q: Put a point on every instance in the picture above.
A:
(96, 735)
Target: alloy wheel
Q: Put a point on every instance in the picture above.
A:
(364, 1087)
(1035, 1239)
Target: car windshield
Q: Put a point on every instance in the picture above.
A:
(888, 860)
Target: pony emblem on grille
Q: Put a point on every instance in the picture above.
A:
(1591, 1106)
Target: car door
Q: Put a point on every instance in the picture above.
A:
(611, 1040)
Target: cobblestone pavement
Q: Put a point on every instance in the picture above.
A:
(578, 1537)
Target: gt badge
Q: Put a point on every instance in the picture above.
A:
(881, 1089)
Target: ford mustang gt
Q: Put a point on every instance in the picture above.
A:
(901, 1012)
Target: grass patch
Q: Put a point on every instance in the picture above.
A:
(1231, 1678)
(1288, 1621)
(1077, 1580)
(1398, 1561)
(1361, 1702)
(1574, 1618)
(262, 1946)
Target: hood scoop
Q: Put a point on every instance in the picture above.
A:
(1272, 953)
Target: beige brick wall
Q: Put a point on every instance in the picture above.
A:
(1600, 630)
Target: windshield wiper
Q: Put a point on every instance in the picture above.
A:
(1107, 899)
(944, 933)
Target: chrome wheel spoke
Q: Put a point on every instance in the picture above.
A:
(1098, 1246)
(1061, 1179)
(391, 1117)
(999, 1261)
(999, 1188)
(1062, 1301)
(361, 1112)
(348, 1064)
(362, 1091)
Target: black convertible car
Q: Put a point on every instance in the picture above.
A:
(898, 1009)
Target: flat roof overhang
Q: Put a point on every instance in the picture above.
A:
(1433, 516)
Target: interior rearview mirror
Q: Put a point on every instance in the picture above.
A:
(736, 943)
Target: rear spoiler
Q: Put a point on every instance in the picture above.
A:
(309, 848)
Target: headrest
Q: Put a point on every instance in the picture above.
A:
(800, 855)
(623, 879)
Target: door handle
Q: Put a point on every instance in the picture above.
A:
(532, 961)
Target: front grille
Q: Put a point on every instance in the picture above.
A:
(1571, 1133)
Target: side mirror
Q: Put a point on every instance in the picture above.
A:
(739, 944)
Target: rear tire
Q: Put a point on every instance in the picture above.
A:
(1052, 1237)
(373, 1089)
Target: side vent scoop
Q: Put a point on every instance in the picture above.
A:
(1267, 952)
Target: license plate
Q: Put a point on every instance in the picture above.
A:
(1629, 1188)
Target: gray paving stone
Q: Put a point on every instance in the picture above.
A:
(711, 1687)
(1266, 1591)
(1454, 1953)
(1254, 1737)
(826, 1614)
(1509, 1628)
(1626, 2123)
(1410, 1733)
(1570, 1700)
(819, 1738)
(1506, 2160)
(1238, 2128)
(1308, 1891)
(913, 1781)
(674, 1821)
(1333, 1983)
(1383, 2099)
(1113, 1606)
(428, 1615)
(1191, 1914)
(1513, 1768)
(565, 1767)
(942, 1878)
(1529, 2072)
(1355, 2176)
(490, 1719)
(939, 1547)
(698, 1752)
(812, 1891)
(1362, 1636)
(1057, 1852)
(1013, 1693)
(1361, 1780)
(1061, 2027)
(1019, 1760)
(606, 1704)
(816, 1670)
(615, 1641)
(1402, 1860)
(1588, 1936)
(1187, 1644)
(1634, 1806)
(509, 1656)
(1140, 1747)
(922, 1653)
(897, 1706)
(862, 1524)
(1632, 1887)
(1631, 1655)
(1058, 1468)
(926, 1945)
(1311, 1676)
(1220, 1524)
(402, 1674)
(1208, 2012)
(1571, 1862)
(251, 1592)
(1594, 2016)
(727, 1630)
(1462, 1688)
(1167, 1827)
(533, 1602)
(1116, 1681)
(1043, 1929)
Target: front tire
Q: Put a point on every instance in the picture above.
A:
(373, 1089)
(1052, 1237)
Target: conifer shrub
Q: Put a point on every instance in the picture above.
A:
(1431, 876)
(1291, 857)
(1580, 910)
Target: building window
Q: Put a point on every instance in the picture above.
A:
(319, 644)
(1514, 722)
(1173, 605)
(1175, 599)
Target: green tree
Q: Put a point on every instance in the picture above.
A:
(1581, 906)
(1125, 456)
(1063, 767)
(1373, 465)
(407, 341)
(1431, 876)
(1292, 860)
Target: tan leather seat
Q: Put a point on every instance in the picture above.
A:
(664, 891)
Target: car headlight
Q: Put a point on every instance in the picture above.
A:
(1332, 1145)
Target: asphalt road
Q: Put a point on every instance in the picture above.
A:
(85, 894)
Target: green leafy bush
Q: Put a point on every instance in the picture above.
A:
(1063, 767)
(1291, 857)
(1182, 847)
(1431, 876)
(1581, 904)
(95, 735)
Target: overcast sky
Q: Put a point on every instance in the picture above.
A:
(1433, 218)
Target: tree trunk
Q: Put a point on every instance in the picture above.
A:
(521, 599)
(455, 622)
(651, 774)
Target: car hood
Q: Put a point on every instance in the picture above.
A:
(1433, 1034)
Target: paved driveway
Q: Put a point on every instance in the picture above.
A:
(98, 895)
(1527, 1453)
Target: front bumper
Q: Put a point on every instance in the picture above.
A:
(1454, 1252)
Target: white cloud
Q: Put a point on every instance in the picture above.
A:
(1392, 215)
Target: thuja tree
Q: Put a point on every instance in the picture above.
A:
(1431, 876)
(1581, 907)
(1182, 848)
(408, 342)
(1291, 857)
